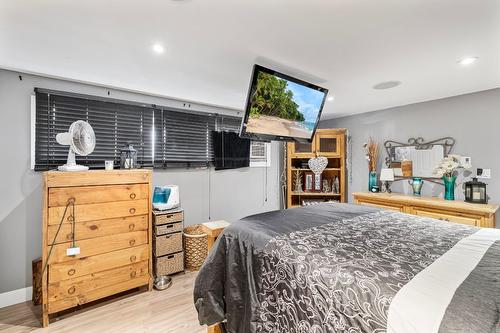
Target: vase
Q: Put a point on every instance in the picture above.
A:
(372, 180)
(417, 184)
(449, 187)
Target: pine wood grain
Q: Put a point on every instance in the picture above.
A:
(99, 245)
(97, 177)
(112, 215)
(338, 154)
(454, 211)
(70, 270)
(99, 228)
(58, 196)
(94, 294)
(79, 286)
(99, 211)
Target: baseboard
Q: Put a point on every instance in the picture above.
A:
(15, 296)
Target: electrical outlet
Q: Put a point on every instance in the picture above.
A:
(466, 161)
(483, 173)
(72, 251)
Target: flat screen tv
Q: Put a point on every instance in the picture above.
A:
(280, 107)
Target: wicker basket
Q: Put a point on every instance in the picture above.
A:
(195, 247)
(169, 243)
(162, 218)
(169, 264)
(168, 228)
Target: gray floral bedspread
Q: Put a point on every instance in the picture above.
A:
(334, 268)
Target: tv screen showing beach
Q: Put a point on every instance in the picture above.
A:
(281, 107)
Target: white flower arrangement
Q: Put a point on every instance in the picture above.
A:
(449, 166)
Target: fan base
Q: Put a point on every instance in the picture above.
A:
(75, 167)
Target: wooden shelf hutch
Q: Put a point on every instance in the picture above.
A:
(329, 143)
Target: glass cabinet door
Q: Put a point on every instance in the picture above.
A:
(301, 148)
(328, 144)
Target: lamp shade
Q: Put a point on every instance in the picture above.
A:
(387, 175)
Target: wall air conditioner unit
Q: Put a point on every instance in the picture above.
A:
(260, 154)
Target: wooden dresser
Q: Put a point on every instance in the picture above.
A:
(112, 229)
(454, 211)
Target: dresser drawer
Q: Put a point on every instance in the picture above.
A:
(100, 211)
(80, 286)
(395, 207)
(97, 194)
(168, 228)
(84, 266)
(444, 216)
(95, 294)
(100, 228)
(94, 246)
(167, 244)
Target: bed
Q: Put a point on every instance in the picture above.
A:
(350, 269)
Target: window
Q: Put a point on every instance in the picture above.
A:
(164, 137)
(260, 154)
(114, 125)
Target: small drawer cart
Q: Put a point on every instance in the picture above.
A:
(167, 242)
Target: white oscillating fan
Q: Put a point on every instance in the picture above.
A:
(81, 140)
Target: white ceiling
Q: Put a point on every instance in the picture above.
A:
(346, 46)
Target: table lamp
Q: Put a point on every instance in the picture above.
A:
(387, 176)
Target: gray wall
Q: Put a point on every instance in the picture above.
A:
(232, 194)
(472, 119)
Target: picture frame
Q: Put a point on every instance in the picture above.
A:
(318, 183)
(308, 182)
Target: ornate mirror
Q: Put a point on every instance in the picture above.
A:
(425, 156)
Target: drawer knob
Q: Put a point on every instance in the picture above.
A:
(70, 218)
(133, 258)
(169, 216)
(132, 242)
(131, 226)
(170, 226)
(69, 236)
(132, 210)
(133, 274)
(93, 227)
(71, 272)
(132, 196)
(71, 290)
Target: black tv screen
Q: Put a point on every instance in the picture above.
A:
(280, 107)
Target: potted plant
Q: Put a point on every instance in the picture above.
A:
(448, 171)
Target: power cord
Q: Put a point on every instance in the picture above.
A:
(71, 202)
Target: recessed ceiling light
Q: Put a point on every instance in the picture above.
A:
(467, 61)
(158, 48)
(386, 85)
(330, 98)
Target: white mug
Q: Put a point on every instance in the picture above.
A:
(108, 165)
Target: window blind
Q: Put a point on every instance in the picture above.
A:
(164, 137)
(114, 124)
(183, 139)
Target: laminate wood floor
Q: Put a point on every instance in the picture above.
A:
(169, 311)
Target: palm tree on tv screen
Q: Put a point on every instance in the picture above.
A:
(272, 98)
